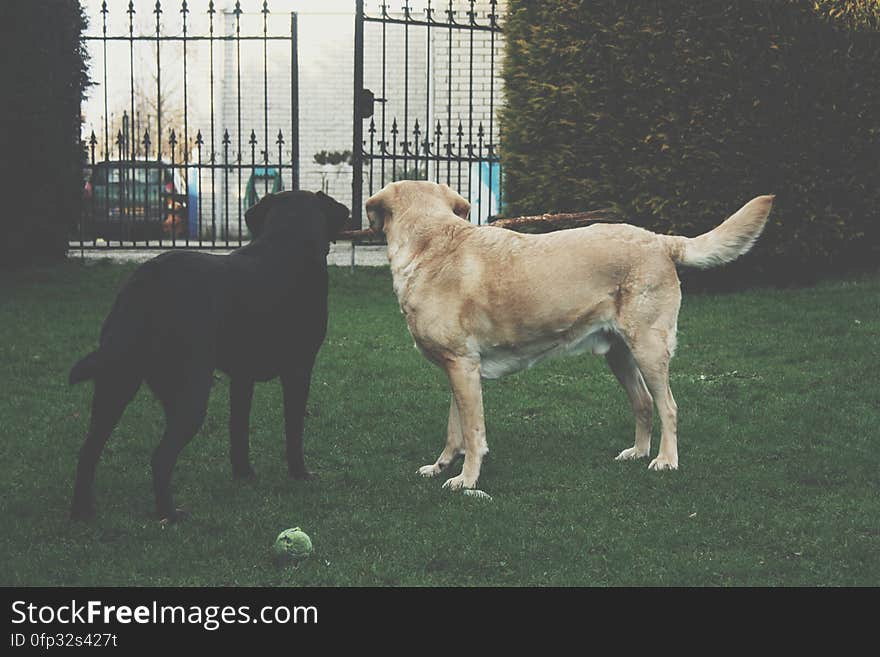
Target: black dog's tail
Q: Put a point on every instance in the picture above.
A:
(118, 347)
(121, 335)
(86, 368)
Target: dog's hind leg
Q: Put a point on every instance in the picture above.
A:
(241, 393)
(112, 394)
(454, 444)
(186, 403)
(464, 378)
(652, 352)
(624, 367)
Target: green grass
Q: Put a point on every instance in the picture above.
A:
(779, 402)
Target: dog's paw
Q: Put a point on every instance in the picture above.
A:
(630, 454)
(459, 482)
(663, 463)
(300, 474)
(244, 473)
(176, 516)
(429, 470)
(82, 512)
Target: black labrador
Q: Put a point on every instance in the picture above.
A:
(256, 314)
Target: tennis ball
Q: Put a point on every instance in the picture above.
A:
(293, 545)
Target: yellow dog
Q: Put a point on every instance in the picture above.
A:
(485, 302)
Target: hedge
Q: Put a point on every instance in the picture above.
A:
(43, 79)
(675, 113)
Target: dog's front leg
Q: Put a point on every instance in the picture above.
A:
(295, 382)
(453, 447)
(624, 367)
(464, 378)
(241, 392)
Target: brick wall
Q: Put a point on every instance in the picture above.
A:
(439, 88)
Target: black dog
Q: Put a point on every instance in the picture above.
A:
(257, 313)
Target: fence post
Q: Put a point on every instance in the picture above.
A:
(294, 101)
(357, 169)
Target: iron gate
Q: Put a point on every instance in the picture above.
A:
(167, 165)
(196, 113)
(434, 74)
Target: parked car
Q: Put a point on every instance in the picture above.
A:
(135, 200)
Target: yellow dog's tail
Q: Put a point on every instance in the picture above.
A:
(725, 243)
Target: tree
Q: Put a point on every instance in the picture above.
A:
(43, 85)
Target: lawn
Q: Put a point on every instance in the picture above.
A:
(779, 407)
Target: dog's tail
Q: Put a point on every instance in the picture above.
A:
(122, 335)
(86, 368)
(117, 349)
(725, 243)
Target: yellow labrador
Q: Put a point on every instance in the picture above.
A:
(485, 302)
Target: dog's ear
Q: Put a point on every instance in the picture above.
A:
(377, 208)
(336, 214)
(255, 217)
(457, 203)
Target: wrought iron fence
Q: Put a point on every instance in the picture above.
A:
(199, 113)
(171, 172)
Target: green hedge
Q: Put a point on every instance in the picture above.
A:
(677, 112)
(43, 80)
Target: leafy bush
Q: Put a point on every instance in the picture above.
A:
(43, 82)
(675, 113)
(332, 157)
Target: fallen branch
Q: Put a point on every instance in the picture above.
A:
(540, 223)
(547, 223)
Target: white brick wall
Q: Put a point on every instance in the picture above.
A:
(430, 94)
(440, 90)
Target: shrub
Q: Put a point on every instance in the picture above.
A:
(44, 78)
(675, 113)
